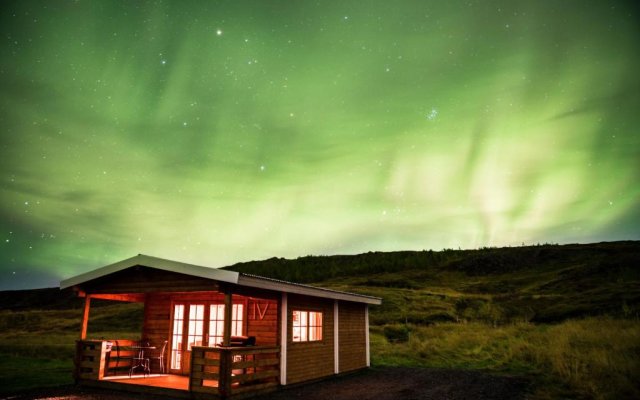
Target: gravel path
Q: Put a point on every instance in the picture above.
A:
(378, 384)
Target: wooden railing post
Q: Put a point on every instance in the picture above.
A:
(195, 367)
(77, 361)
(224, 385)
(103, 357)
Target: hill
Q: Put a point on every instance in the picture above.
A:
(544, 283)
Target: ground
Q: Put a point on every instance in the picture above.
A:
(378, 383)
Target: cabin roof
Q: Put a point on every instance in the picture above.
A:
(220, 275)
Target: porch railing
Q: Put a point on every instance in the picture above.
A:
(229, 371)
(90, 359)
(96, 359)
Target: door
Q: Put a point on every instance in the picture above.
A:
(187, 331)
(192, 323)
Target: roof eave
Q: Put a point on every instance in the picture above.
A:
(289, 287)
(153, 262)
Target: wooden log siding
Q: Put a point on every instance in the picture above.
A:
(352, 352)
(157, 320)
(310, 360)
(230, 371)
(262, 321)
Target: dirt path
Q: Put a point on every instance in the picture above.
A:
(378, 384)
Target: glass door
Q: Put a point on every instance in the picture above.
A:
(187, 331)
(199, 324)
(177, 339)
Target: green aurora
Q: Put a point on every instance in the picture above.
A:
(215, 132)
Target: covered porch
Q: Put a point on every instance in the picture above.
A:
(199, 336)
(215, 371)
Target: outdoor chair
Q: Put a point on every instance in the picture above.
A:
(120, 358)
(158, 355)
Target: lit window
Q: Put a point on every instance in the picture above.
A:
(307, 326)
(216, 322)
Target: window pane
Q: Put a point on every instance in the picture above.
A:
(176, 337)
(216, 322)
(296, 326)
(304, 330)
(196, 325)
(216, 325)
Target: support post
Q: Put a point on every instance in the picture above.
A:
(336, 339)
(228, 314)
(366, 334)
(284, 314)
(85, 317)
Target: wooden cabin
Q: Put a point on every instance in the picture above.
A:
(227, 334)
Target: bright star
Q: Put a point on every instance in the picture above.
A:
(219, 32)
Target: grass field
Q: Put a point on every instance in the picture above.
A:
(37, 346)
(565, 316)
(596, 357)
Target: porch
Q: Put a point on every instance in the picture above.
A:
(216, 372)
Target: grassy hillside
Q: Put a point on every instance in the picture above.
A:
(566, 316)
(547, 283)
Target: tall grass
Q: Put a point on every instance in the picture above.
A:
(37, 346)
(595, 357)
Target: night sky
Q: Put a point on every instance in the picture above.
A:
(215, 132)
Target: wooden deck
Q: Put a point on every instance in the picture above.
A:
(175, 386)
(178, 382)
(216, 372)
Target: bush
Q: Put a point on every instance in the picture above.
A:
(396, 333)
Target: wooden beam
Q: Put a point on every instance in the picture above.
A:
(85, 317)
(228, 314)
(129, 297)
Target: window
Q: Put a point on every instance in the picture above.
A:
(196, 325)
(216, 322)
(307, 326)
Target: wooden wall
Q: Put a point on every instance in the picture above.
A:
(262, 318)
(157, 319)
(352, 353)
(261, 315)
(310, 360)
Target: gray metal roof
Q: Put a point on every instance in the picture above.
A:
(220, 275)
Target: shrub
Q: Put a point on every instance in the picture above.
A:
(396, 333)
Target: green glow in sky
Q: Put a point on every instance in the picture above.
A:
(217, 132)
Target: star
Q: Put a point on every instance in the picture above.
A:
(219, 32)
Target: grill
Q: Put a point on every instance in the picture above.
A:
(243, 341)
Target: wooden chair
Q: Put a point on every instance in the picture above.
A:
(159, 356)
